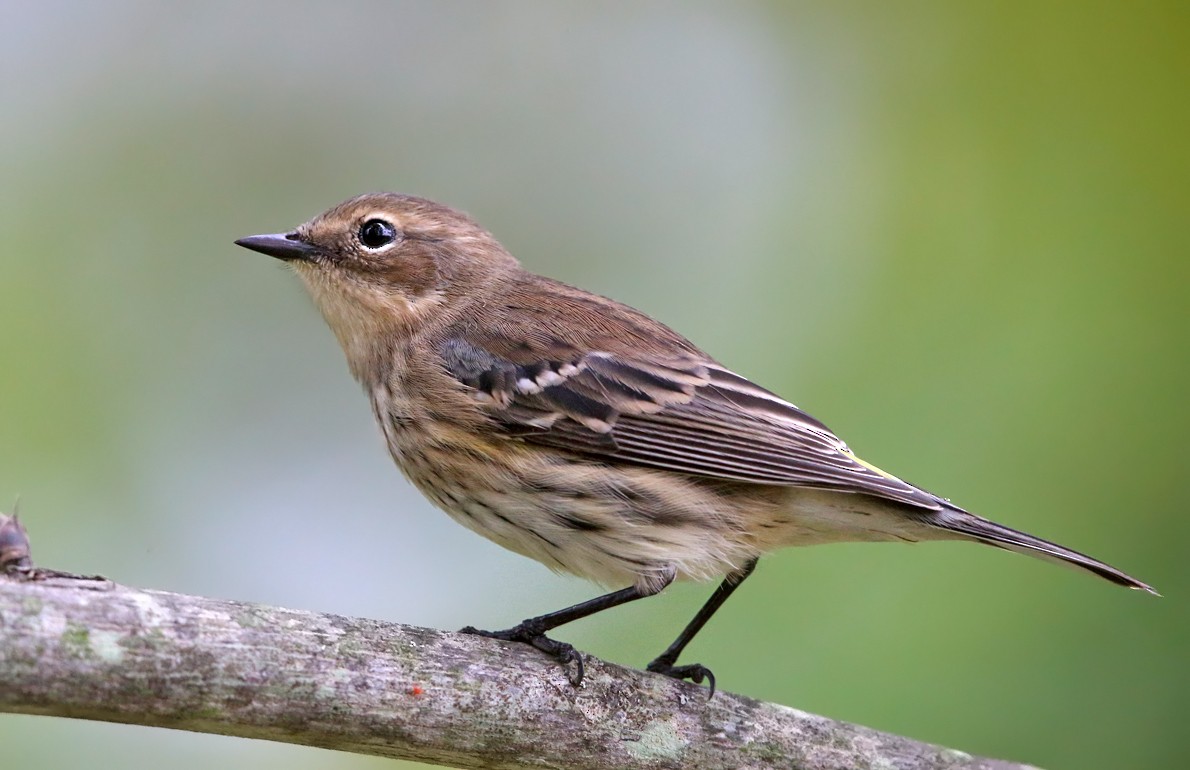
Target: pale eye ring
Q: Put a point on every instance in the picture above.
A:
(376, 234)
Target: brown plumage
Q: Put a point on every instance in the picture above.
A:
(582, 433)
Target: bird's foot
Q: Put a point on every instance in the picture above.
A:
(531, 633)
(695, 672)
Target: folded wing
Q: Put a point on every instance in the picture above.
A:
(679, 412)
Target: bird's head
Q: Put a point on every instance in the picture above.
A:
(384, 263)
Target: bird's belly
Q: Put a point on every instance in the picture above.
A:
(615, 526)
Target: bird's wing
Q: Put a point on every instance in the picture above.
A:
(679, 412)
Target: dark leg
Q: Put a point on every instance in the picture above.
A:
(696, 672)
(532, 631)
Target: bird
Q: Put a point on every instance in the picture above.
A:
(580, 432)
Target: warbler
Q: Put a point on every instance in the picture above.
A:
(580, 432)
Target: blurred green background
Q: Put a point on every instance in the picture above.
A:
(956, 232)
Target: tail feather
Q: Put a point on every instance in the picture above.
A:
(956, 520)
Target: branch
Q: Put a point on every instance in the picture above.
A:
(91, 649)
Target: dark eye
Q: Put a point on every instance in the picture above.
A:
(376, 233)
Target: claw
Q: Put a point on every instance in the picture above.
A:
(562, 652)
(572, 655)
(695, 672)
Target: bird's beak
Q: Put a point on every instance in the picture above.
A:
(285, 246)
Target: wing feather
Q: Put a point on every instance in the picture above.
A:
(684, 413)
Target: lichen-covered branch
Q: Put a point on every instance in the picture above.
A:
(90, 649)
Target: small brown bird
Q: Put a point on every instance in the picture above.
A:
(582, 433)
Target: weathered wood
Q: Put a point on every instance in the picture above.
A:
(91, 649)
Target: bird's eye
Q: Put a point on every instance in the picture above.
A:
(376, 233)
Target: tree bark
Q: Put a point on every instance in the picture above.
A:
(91, 649)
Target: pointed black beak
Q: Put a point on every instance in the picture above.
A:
(285, 246)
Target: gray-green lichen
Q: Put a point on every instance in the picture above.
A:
(660, 740)
(76, 641)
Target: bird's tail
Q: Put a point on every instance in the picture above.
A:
(956, 520)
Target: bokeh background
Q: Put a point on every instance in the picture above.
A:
(957, 233)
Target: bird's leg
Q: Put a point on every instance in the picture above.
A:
(696, 672)
(532, 630)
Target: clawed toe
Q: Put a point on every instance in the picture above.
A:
(565, 654)
(508, 634)
(695, 672)
(562, 652)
